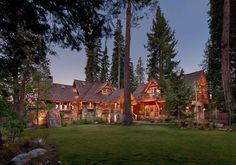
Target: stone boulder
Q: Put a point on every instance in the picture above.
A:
(24, 158)
(36, 152)
(20, 159)
(54, 118)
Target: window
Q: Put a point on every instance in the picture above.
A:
(90, 105)
(106, 91)
(153, 91)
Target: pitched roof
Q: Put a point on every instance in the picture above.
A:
(62, 92)
(115, 96)
(90, 91)
(191, 78)
(139, 91)
(82, 87)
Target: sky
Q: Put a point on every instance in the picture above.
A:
(188, 18)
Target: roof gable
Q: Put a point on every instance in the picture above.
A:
(105, 86)
(92, 91)
(192, 78)
(142, 91)
(150, 84)
(82, 87)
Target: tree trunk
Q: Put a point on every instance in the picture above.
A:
(19, 94)
(127, 100)
(38, 104)
(225, 61)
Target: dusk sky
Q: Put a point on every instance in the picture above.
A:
(187, 17)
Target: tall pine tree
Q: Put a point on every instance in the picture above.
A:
(213, 50)
(212, 55)
(178, 95)
(94, 53)
(161, 46)
(140, 72)
(117, 67)
(104, 75)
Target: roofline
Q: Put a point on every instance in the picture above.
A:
(194, 72)
(62, 84)
(147, 85)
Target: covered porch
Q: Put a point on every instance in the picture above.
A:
(153, 110)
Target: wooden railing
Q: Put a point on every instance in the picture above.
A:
(220, 117)
(149, 96)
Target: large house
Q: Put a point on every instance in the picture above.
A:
(85, 99)
(81, 99)
(95, 99)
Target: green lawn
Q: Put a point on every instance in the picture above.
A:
(142, 144)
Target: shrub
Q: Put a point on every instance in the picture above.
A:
(5, 108)
(7, 152)
(86, 121)
(233, 127)
(189, 123)
(15, 128)
(202, 126)
(64, 124)
(75, 122)
(35, 139)
(211, 125)
(170, 119)
(98, 120)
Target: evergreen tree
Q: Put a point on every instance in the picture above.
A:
(27, 31)
(117, 67)
(213, 51)
(24, 53)
(161, 45)
(94, 53)
(104, 76)
(140, 72)
(178, 95)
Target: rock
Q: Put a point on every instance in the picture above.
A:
(20, 159)
(37, 152)
(54, 118)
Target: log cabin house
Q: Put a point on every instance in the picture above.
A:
(84, 99)
(150, 102)
(96, 99)
(197, 81)
(115, 102)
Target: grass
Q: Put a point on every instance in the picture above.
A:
(142, 144)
